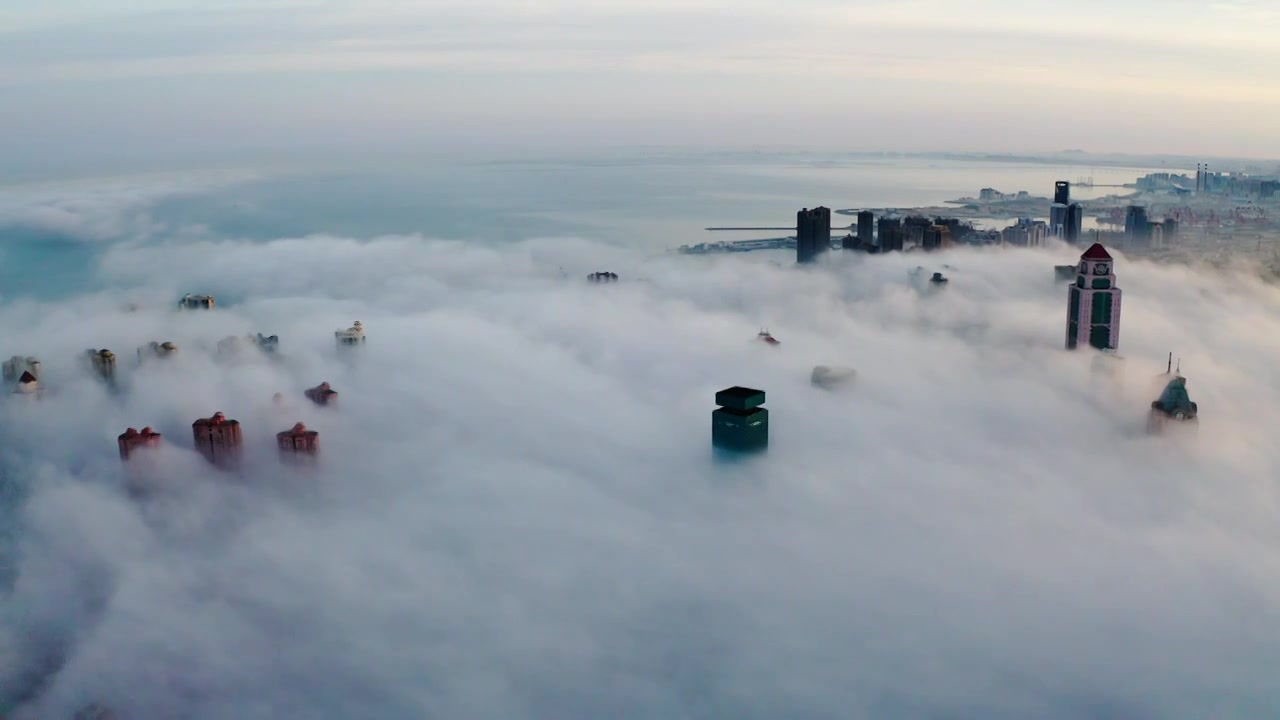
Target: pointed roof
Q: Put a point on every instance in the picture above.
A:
(1096, 252)
(27, 377)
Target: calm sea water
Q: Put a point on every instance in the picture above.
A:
(647, 202)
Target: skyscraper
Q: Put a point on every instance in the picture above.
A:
(1136, 225)
(813, 233)
(1093, 303)
(102, 362)
(1075, 223)
(218, 439)
(1062, 192)
(1058, 220)
(131, 440)
(298, 443)
(866, 228)
(932, 238)
(890, 234)
(740, 423)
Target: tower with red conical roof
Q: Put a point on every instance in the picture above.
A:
(1093, 302)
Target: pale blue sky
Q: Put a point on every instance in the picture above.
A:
(156, 76)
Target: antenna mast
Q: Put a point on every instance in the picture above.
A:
(1169, 369)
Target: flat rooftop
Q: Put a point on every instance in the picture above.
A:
(740, 398)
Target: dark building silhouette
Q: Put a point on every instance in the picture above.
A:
(1062, 192)
(1137, 228)
(931, 239)
(913, 229)
(740, 423)
(890, 231)
(1074, 225)
(1170, 230)
(953, 229)
(866, 227)
(813, 233)
(1058, 220)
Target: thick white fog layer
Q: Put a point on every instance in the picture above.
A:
(517, 513)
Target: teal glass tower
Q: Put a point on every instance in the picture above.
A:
(740, 423)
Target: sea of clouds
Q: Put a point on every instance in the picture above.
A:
(517, 513)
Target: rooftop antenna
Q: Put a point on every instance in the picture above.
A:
(1179, 370)
(1169, 369)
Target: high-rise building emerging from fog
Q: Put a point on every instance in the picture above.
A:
(1058, 220)
(1075, 223)
(353, 335)
(131, 440)
(813, 233)
(740, 423)
(1093, 302)
(1137, 228)
(218, 439)
(890, 232)
(197, 302)
(298, 443)
(102, 362)
(866, 228)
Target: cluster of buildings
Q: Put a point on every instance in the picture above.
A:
(1066, 222)
(1093, 319)
(740, 422)
(1234, 184)
(991, 195)
(1141, 231)
(888, 234)
(220, 441)
(217, 438)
